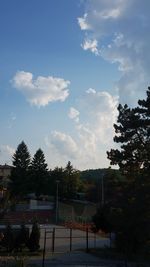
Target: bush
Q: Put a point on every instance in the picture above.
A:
(22, 238)
(34, 239)
(8, 240)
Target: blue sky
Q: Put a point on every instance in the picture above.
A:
(64, 67)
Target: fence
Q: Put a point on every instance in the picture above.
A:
(61, 239)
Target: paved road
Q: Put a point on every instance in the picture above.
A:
(78, 259)
(62, 239)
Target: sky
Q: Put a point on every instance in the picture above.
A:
(65, 65)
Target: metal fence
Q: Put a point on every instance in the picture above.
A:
(61, 240)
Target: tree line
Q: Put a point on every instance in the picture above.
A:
(33, 176)
(19, 239)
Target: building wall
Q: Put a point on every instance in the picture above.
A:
(5, 172)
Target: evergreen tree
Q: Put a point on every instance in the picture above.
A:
(38, 173)
(8, 240)
(133, 133)
(34, 239)
(129, 213)
(71, 181)
(58, 174)
(22, 238)
(20, 175)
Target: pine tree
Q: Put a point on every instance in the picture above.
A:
(22, 238)
(34, 239)
(8, 240)
(21, 158)
(20, 175)
(71, 180)
(38, 173)
(133, 133)
(129, 213)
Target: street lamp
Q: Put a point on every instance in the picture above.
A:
(102, 180)
(56, 212)
(101, 190)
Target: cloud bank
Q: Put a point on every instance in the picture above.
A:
(93, 120)
(42, 90)
(118, 31)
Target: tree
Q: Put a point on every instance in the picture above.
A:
(8, 240)
(71, 181)
(129, 213)
(38, 173)
(22, 238)
(19, 176)
(5, 203)
(58, 174)
(133, 132)
(34, 239)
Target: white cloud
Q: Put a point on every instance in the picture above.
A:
(83, 24)
(11, 120)
(90, 45)
(42, 90)
(91, 91)
(62, 144)
(74, 114)
(6, 153)
(120, 28)
(86, 146)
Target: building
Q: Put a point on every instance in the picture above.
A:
(5, 172)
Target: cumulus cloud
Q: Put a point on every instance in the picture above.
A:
(90, 45)
(62, 144)
(6, 153)
(92, 136)
(91, 90)
(74, 114)
(83, 24)
(42, 90)
(120, 29)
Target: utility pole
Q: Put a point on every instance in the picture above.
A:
(56, 212)
(102, 183)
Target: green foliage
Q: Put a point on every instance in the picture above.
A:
(21, 158)
(22, 238)
(129, 211)
(57, 174)
(19, 175)
(5, 203)
(111, 178)
(69, 181)
(133, 132)
(102, 220)
(38, 173)
(8, 240)
(34, 239)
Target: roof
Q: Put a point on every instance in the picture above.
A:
(5, 166)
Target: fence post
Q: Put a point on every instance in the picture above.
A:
(94, 240)
(53, 240)
(70, 239)
(43, 261)
(87, 240)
